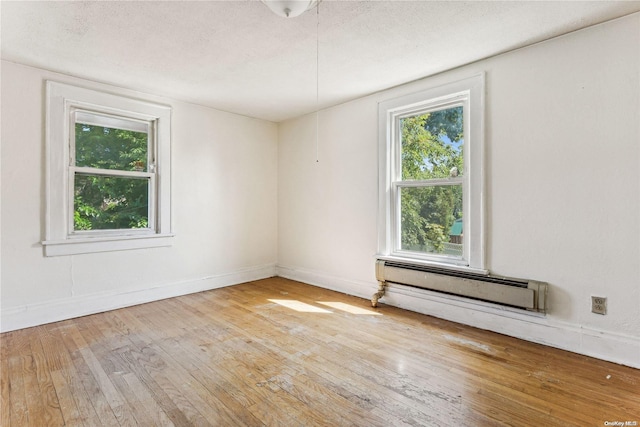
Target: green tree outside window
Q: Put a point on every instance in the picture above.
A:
(432, 148)
(103, 202)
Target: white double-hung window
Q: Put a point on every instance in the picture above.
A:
(108, 180)
(431, 176)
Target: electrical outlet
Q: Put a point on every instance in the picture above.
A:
(599, 305)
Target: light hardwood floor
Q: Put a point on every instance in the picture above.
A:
(281, 353)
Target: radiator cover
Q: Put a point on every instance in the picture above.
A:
(526, 294)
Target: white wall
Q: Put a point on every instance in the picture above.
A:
(563, 191)
(224, 211)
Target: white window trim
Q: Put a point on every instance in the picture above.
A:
(469, 92)
(60, 238)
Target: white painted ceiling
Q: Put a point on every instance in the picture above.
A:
(239, 57)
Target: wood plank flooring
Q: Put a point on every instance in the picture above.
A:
(281, 353)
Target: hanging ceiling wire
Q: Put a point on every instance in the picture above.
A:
(291, 9)
(317, 79)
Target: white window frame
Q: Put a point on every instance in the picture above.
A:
(468, 93)
(108, 121)
(63, 103)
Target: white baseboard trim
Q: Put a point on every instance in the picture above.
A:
(75, 306)
(534, 327)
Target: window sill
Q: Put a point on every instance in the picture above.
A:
(442, 265)
(105, 244)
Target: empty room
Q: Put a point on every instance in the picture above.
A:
(333, 213)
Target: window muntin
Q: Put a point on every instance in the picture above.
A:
(431, 176)
(110, 174)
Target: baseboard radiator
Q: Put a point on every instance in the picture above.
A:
(526, 294)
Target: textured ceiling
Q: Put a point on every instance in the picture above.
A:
(238, 56)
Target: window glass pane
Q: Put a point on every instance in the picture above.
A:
(110, 203)
(431, 219)
(110, 148)
(432, 144)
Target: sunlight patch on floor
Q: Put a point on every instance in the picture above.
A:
(299, 306)
(349, 308)
(303, 307)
